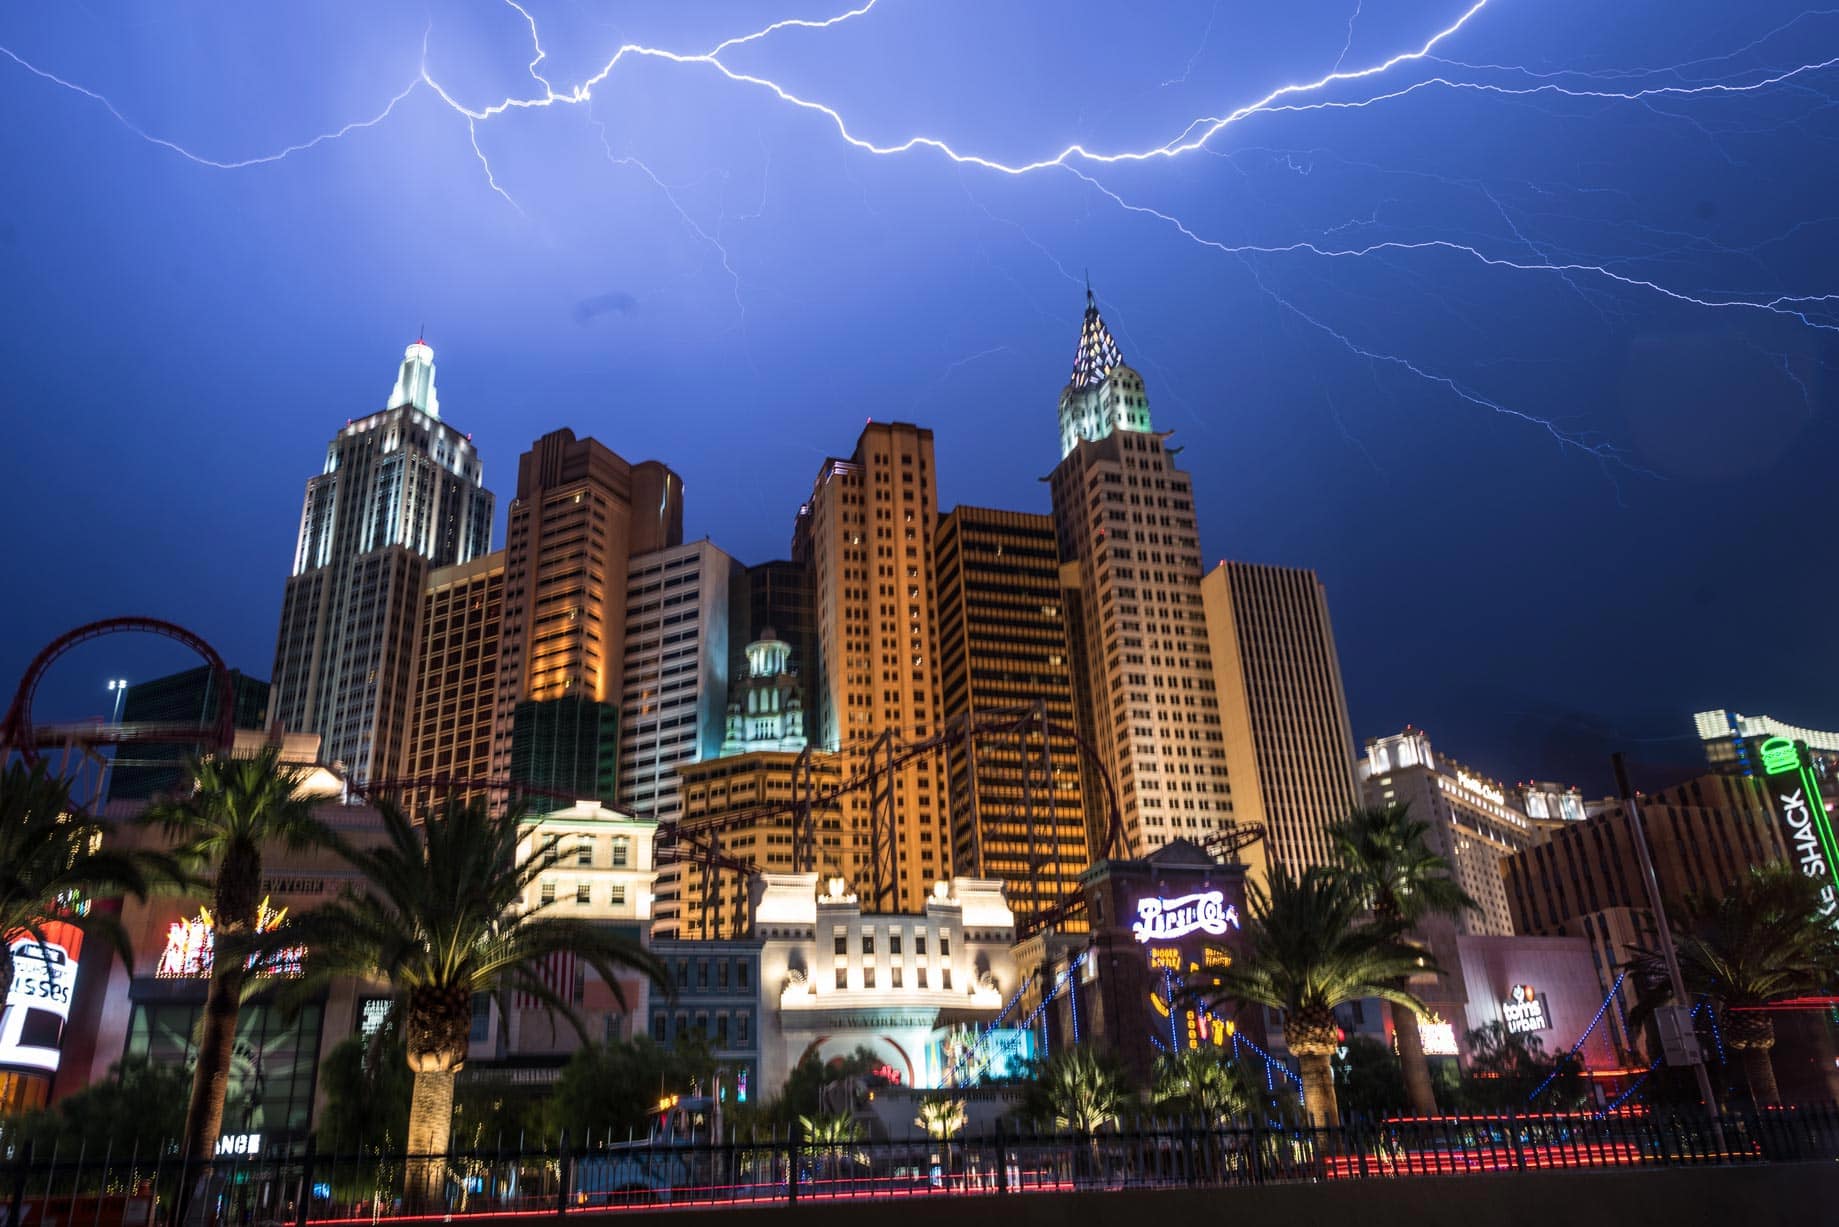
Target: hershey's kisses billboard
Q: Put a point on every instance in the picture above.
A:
(1794, 795)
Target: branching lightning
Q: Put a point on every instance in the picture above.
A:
(1594, 281)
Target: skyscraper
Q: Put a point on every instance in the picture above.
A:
(580, 514)
(1289, 747)
(462, 616)
(1017, 812)
(866, 535)
(401, 491)
(1124, 517)
(674, 698)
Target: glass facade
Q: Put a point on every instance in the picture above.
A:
(271, 1073)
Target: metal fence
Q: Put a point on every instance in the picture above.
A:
(302, 1185)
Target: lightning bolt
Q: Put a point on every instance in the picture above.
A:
(1329, 91)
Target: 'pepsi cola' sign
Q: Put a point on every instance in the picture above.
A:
(1202, 912)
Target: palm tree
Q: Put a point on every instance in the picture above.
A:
(237, 809)
(442, 916)
(827, 1135)
(54, 862)
(1762, 940)
(1202, 1083)
(942, 1118)
(1383, 854)
(1080, 1090)
(1307, 950)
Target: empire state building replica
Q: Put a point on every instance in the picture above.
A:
(1131, 572)
(401, 492)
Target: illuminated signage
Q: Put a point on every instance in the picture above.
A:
(1810, 833)
(1165, 919)
(373, 1012)
(1168, 958)
(239, 1144)
(38, 1005)
(1439, 1037)
(191, 946)
(1524, 1011)
(1480, 787)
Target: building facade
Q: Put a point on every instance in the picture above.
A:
(189, 697)
(674, 697)
(834, 978)
(603, 871)
(1124, 518)
(866, 537)
(580, 514)
(715, 996)
(1016, 802)
(1731, 738)
(1584, 879)
(742, 808)
(401, 492)
(456, 688)
(1289, 746)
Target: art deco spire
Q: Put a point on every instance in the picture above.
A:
(1098, 353)
(415, 382)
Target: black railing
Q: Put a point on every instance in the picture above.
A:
(296, 1186)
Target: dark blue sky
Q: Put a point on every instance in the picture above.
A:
(1557, 509)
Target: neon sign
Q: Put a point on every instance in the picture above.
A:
(1165, 919)
(1524, 1011)
(1480, 787)
(191, 946)
(38, 1004)
(1810, 832)
(1439, 1037)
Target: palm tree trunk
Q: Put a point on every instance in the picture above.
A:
(1412, 1062)
(211, 1077)
(430, 1129)
(1759, 1072)
(1319, 1088)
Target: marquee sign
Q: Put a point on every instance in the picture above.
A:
(1165, 919)
(1438, 1036)
(1796, 795)
(191, 946)
(38, 1005)
(1524, 1011)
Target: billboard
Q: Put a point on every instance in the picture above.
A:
(1794, 793)
(38, 1005)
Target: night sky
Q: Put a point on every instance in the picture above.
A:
(1518, 344)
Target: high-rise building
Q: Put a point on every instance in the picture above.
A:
(401, 492)
(462, 616)
(1124, 516)
(187, 698)
(1289, 747)
(674, 707)
(866, 535)
(580, 514)
(757, 788)
(1472, 819)
(1016, 802)
(1731, 739)
(776, 596)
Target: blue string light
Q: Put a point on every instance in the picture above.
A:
(1636, 1085)
(1600, 1011)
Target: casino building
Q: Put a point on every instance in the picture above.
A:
(1157, 922)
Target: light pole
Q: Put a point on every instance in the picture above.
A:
(119, 687)
(1684, 1050)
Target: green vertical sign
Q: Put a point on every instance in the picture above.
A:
(1788, 775)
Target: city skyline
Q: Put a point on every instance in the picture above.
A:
(736, 289)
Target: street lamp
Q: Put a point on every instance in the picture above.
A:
(119, 687)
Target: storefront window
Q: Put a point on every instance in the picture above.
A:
(271, 1070)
